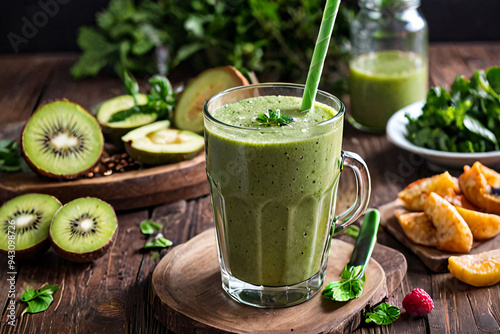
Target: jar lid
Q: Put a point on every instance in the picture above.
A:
(388, 4)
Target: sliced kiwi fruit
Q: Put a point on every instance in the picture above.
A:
(188, 114)
(83, 229)
(156, 144)
(62, 140)
(25, 220)
(113, 131)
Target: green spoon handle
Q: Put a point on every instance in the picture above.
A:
(366, 240)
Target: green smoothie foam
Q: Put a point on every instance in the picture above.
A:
(383, 82)
(273, 188)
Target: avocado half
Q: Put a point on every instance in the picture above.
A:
(157, 144)
(113, 131)
(188, 114)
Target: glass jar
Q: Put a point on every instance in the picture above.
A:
(389, 66)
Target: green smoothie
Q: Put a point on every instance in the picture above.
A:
(383, 82)
(273, 188)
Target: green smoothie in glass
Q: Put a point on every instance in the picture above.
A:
(273, 191)
(383, 82)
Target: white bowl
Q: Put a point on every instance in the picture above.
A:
(396, 132)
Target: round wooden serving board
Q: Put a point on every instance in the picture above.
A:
(187, 295)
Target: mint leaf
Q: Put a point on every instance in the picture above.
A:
(38, 300)
(149, 227)
(384, 314)
(274, 117)
(158, 242)
(352, 231)
(350, 287)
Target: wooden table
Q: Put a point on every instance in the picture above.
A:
(111, 294)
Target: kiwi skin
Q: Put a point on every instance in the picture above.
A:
(31, 253)
(47, 173)
(84, 257)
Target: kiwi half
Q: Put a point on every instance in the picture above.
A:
(31, 214)
(62, 140)
(83, 229)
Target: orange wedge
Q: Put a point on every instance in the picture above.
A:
(481, 269)
(416, 193)
(482, 225)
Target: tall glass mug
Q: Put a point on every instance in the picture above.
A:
(273, 192)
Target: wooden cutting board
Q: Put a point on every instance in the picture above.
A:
(435, 259)
(187, 295)
(124, 191)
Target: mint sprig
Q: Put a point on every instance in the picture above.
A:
(384, 314)
(274, 117)
(9, 156)
(149, 227)
(39, 300)
(350, 287)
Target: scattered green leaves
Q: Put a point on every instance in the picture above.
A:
(274, 117)
(383, 314)
(9, 156)
(350, 287)
(149, 227)
(158, 242)
(161, 100)
(465, 119)
(38, 300)
(352, 231)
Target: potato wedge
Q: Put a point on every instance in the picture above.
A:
(416, 193)
(418, 228)
(482, 225)
(477, 182)
(453, 233)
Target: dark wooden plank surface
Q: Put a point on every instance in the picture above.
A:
(110, 295)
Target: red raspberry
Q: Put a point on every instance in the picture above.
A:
(418, 303)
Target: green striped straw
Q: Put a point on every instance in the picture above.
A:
(319, 54)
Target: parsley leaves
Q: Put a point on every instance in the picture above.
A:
(38, 300)
(161, 100)
(274, 117)
(384, 314)
(350, 287)
(149, 227)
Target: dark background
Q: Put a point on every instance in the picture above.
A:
(449, 20)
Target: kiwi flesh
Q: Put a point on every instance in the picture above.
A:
(62, 140)
(188, 114)
(113, 131)
(83, 229)
(32, 215)
(156, 144)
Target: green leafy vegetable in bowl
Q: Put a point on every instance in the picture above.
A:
(465, 119)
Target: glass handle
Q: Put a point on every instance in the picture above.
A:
(363, 185)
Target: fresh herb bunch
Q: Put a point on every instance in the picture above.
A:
(161, 100)
(155, 36)
(274, 117)
(383, 314)
(350, 287)
(465, 119)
